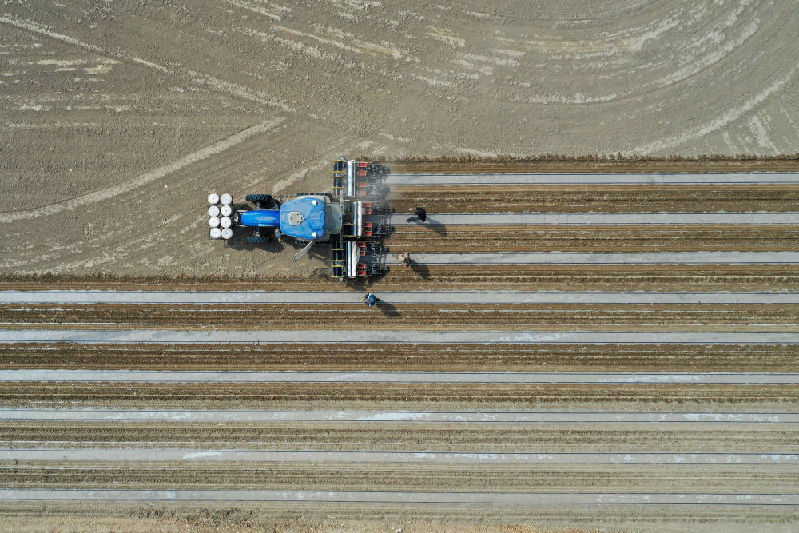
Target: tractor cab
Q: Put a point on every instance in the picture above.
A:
(312, 217)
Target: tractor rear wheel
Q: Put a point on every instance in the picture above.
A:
(262, 201)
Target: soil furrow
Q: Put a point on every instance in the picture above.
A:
(534, 438)
(578, 478)
(602, 239)
(417, 397)
(606, 199)
(452, 357)
(641, 317)
(673, 278)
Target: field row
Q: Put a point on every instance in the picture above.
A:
(450, 357)
(557, 317)
(285, 396)
(603, 239)
(387, 436)
(604, 199)
(498, 478)
(669, 278)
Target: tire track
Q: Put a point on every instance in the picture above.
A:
(143, 179)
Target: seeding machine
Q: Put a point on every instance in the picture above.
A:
(353, 220)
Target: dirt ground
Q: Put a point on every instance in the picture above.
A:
(119, 118)
(321, 518)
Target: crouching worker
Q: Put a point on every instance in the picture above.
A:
(370, 299)
(418, 214)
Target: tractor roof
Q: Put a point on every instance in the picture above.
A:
(303, 217)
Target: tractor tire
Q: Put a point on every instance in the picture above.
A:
(256, 240)
(262, 201)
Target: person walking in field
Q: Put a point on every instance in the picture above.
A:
(419, 214)
(405, 259)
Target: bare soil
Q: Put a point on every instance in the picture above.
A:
(596, 163)
(415, 317)
(668, 278)
(118, 118)
(605, 199)
(410, 477)
(451, 357)
(534, 438)
(758, 398)
(597, 239)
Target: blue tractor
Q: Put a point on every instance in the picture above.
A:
(346, 218)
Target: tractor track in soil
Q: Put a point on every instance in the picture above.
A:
(451, 437)
(451, 357)
(558, 317)
(607, 239)
(291, 396)
(731, 198)
(564, 478)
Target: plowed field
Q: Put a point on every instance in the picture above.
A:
(591, 317)
(611, 199)
(451, 357)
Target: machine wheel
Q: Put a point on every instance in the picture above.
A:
(256, 240)
(262, 201)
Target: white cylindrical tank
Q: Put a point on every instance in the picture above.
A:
(216, 233)
(227, 233)
(226, 210)
(226, 199)
(225, 221)
(213, 222)
(213, 198)
(213, 211)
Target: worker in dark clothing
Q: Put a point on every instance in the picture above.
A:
(370, 299)
(419, 214)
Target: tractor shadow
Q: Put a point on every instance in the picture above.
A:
(320, 251)
(238, 242)
(360, 285)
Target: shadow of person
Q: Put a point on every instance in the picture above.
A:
(420, 269)
(387, 309)
(438, 227)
